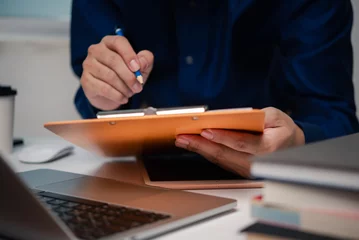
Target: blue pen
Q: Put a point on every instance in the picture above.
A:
(138, 74)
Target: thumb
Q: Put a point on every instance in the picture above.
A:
(146, 59)
(273, 118)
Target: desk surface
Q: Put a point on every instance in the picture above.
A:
(225, 226)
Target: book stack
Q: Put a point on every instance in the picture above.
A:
(310, 192)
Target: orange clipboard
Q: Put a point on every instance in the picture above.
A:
(134, 132)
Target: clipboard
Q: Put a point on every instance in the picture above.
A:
(151, 130)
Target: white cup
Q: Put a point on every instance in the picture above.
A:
(7, 107)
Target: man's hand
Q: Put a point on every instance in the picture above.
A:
(108, 78)
(232, 149)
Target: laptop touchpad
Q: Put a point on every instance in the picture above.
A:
(40, 177)
(101, 189)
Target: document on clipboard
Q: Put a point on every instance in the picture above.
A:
(151, 130)
(151, 111)
(161, 111)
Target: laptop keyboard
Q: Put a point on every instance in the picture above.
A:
(93, 220)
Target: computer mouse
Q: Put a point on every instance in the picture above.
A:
(41, 153)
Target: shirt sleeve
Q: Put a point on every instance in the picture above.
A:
(90, 22)
(317, 59)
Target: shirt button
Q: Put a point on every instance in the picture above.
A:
(192, 3)
(189, 60)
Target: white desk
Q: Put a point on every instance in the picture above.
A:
(224, 226)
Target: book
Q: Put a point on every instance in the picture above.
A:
(311, 189)
(310, 197)
(325, 223)
(263, 231)
(330, 163)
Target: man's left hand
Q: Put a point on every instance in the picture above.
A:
(232, 149)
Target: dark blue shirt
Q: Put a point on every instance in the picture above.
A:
(293, 55)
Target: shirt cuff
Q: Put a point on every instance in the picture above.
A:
(94, 110)
(312, 132)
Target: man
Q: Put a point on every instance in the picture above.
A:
(292, 58)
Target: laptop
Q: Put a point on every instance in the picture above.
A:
(49, 204)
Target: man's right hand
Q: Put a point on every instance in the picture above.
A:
(108, 78)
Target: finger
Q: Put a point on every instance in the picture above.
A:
(121, 45)
(240, 141)
(106, 74)
(97, 87)
(146, 59)
(115, 62)
(221, 155)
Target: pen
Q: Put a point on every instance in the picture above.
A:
(138, 74)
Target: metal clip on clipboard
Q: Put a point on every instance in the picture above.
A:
(151, 111)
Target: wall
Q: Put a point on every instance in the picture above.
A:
(45, 84)
(42, 74)
(53, 9)
(34, 59)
